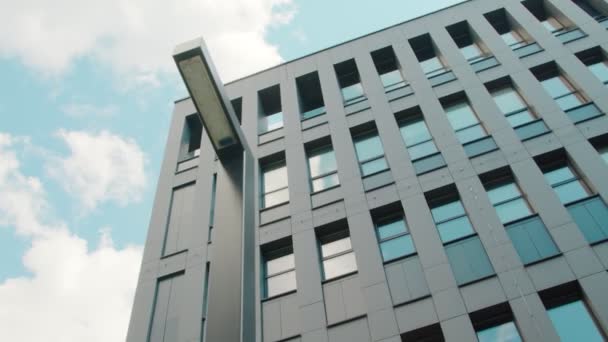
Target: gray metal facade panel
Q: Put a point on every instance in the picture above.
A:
(384, 301)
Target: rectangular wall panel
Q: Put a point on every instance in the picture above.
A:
(164, 326)
(180, 219)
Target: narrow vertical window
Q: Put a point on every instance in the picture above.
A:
(322, 167)
(310, 97)
(595, 60)
(274, 183)
(554, 21)
(468, 44)
(427, 56)
(237, 105)
(205, 301)
(337, 255)
(269, 105)
(370, 153)
(420, 145)
(512, 33)
(394, 237)
(212, 207)
(350, 82)
(279, 271)
(190, 146)
(388, 68)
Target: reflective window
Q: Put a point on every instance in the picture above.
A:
(337, 255)
(513, 106)
(452, 221)
(464, 122)
(563, 92)
(509, 203)
(394, 238)
(471, 52)
(600, 70)
(274, 184)
(370, 153)
(417, 138)
(432, 66)
(279, 272)
(506, 332)
(552, 24)
(388, 68)
(513, 39)
(269, 105)
(604, 153)
(591, 216)
(567, 184)
(322, 168)
(574, 323)
(349, 81)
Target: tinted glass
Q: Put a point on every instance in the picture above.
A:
(569, 101)
(391, 78)
(604, 153)
(511, 38)
(531, 130)
(325, 182)
(461, 115)
(321, 162)
(334, 247)
(455, 229)
(591, 216)
(559, 175)
(389, 229)
(513, 210)
(600, 70)
(508, 100)
(368, 147)
(520, 118)
(571, 192)
(503, 193)
(531, 240)
(469, 134)
(422, 150)
(429, 163)
(276, 197)
(506, 332)
(397, 248)
(468, 260)
(556, 86)
(280, 284)
(471, 51)
(273, 121)
(415, 132)
(340, 265)
(275, 178)
(479, 147)
(574, 323)
(280, 264)
(447, 211)
(374, 166)
(552, 24)
(352, 92)
(431, 65)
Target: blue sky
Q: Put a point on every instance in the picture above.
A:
(74, 82)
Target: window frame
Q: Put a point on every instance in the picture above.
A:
(313, 152)
(329, 238)
(447, 201)
(576, 178)
(272, 255)
(521, 196)
(270, 167)
(361, 136)
(386, 220)
(403, 123)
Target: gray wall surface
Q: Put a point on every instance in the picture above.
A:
(379, 302)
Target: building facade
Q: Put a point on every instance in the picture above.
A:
(442, 179)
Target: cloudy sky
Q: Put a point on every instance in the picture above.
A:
(86, 92)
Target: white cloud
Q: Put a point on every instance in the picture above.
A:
(82, 110)
(75, 293)
(100, 167)
(135, 38)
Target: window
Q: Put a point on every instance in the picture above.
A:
(274, 184)
(350, 82)
(558, 86)
(603, 151)
(212, 206)
(337, 255)
(279, 272)
(464, 121)
(322, 168)
(509, 202)
(501, 23)
(431, 333)
(464, 39)
(537, 8)
(570, 315)
(495, 324)
(205, 299)
(420, 145)
(465, 252)
(429, 60)
(394, 238)
(388, 68)
(370, 153)
(566, 183)
(310, 96)
(592, 10)
(271, 115)
(237, 105)
(596, 62)
(191, 138)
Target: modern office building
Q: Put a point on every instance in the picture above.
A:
(445, 178)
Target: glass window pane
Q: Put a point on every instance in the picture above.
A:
(321, 162)
(276, 197)
(334, 247)
(447, 211)
(552, 24)
(340, 265)
(414, 133)
(574, 323)
(569, 101)
(503, 193)
(389, 229)
(368, 147)
(604, 153)
(397, 248)
(422, 150)
(600, 70)
(506, 332)
(280, 264)
(470, 134)
(468, 260)
(272, 121)
(431, 64)
(511, 38)
(556, 86)
(471, 51)
(520, 118)
(374, 166)
(455, 229)
(559, 175)
(571, 192)
(275, 178)
(511, 211)
(391, 78)
(325, 182)
(280, 284)
(352, 92)
(508, 100)
(461, 115)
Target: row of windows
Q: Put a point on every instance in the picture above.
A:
(431, 62)
(465, 252)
